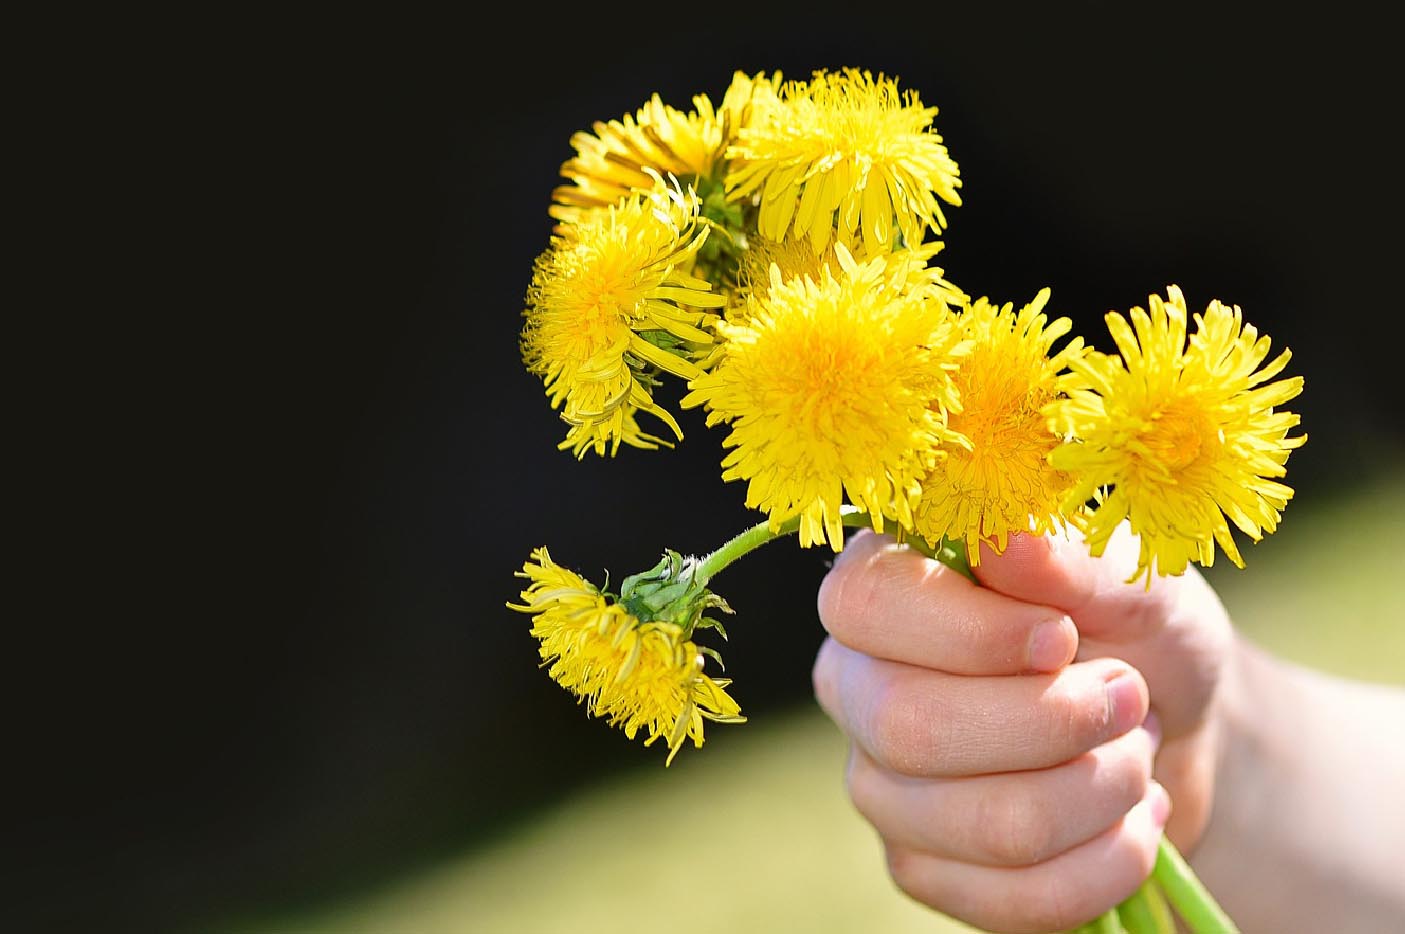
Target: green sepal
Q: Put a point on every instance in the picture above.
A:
(713, 654)
(664, 340)
(720, 254)
(670, 592)
(707, 622)
(715, 205)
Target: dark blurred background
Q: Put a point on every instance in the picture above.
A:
(303, 680)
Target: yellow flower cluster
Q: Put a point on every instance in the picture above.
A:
(775, 253)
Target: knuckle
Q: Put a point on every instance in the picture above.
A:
(904, 868)
(857, 597)
(845, 600)
(862, 781)
(822, 675)
(1145, 613)
(904, 732)
(1014, 829)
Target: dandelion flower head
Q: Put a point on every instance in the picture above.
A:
(844, 155)
(1176, 437)
(833, 386)
(617, 159)
(612, 303)
(912, 265)
(1003, 482)
(641, 676)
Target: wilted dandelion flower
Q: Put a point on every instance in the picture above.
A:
(617, 158)
(833, 386)
(1178, 439)
(1003, 482)
(848, 155)
(611, 303)
(639, 675)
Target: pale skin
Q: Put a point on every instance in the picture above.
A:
(1020, 746)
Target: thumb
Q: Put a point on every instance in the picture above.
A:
(1058, 571)
(1174, 631)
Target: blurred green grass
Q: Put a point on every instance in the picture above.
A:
(754, 833)
(1327, 589)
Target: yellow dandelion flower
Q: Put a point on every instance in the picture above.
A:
(1003, 482)
(844, 155)
(795, 259)
(833, 386)
(612, 303)
(744, 97)
(913, 268)
(618, 158)
(640, 676)
(1178, 439)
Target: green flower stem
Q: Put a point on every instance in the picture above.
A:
(745, 543)
(1187, 895)
(1146, 911)
(1109, 923)
(952, 555)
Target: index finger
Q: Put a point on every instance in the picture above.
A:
(891, 602)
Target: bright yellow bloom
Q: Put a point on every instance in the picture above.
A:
(1176, 439)
(833, 386)
(744, 97)
(1003, 482)
(912, 268)
(844, 155)
(795, 259)
(616, 160)
(637, 675)
(611, 303)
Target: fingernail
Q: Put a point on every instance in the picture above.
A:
(1048, 645)
(1124, 702)
(1160, 805)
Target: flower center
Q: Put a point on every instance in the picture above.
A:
(1178, 437)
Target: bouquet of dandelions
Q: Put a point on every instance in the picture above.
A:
(775, 253)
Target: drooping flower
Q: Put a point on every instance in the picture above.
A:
(617, 159)
(834, 386)
(612, 303)
(639, 675)
(845, 155)
(1003, 482)
(1177, 439)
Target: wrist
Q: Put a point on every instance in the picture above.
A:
(1303, 832)
(1254, 713)
(1248, 761)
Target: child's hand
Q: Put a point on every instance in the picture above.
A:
(1000, 738)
